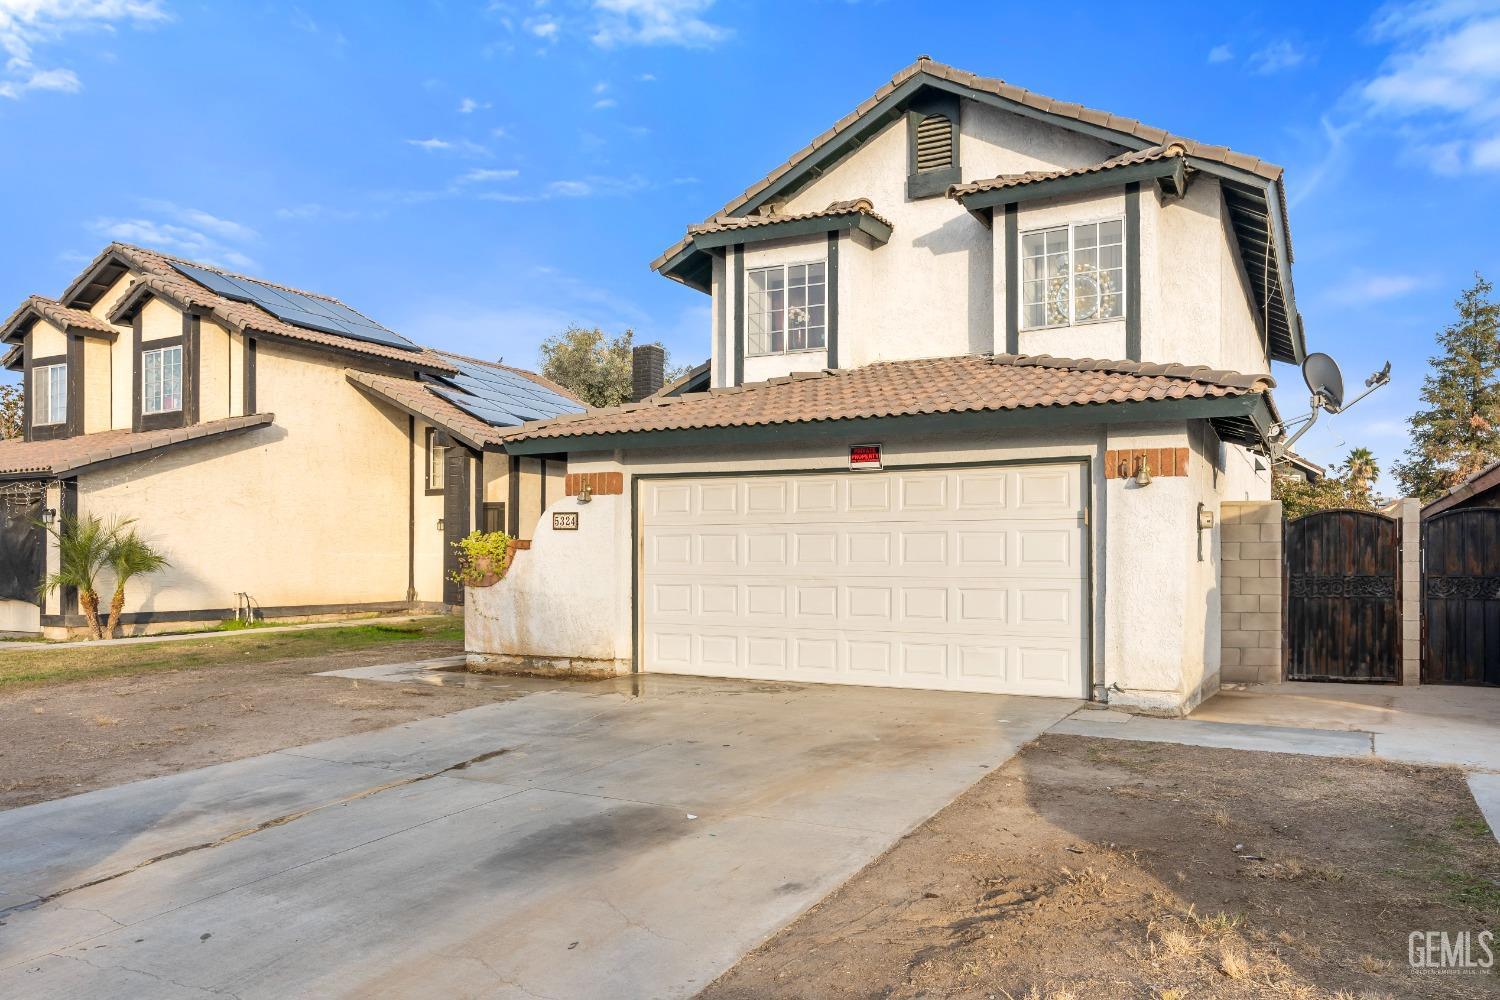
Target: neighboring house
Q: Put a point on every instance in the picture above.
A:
(1482, 489)
(909, 470)
(285, 452)
(1294, 466)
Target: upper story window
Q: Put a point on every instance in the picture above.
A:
(49, 395)
(435, 454)
(161, 380)
(1073, 274)
(787, 308)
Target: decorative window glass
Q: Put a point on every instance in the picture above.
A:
(161, 380)
(787, 308)
(435, 454)
(1073, 274)
(49, 390)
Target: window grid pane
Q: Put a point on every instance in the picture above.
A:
(1072, 274)
(161, 380)
(786, 308)
(49, 387)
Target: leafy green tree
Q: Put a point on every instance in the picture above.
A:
(84, 546)
(1350, 489)
(130, 556)
(593, 367)
(1459, 432)
(11, 400)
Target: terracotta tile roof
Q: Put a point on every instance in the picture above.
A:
(725, 223)
(1115, 123)
(159, 275)
(57, 314)
(1147, 155)
(68, 455)
(967, 384)
(420, 398)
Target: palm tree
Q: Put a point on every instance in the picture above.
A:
(129, 556)
(1360, 469)
(84, 546)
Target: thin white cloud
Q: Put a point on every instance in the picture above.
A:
(1439, 87)
(547, 29)
(175, 239)
(571, 188)
(461, 147)
(469, 105)
(656, 22)
(311, 211)
(604, 104)
(29, 26)
(1277, 57)
(483, 176)
(226, 229)
(1220, 54)
(1370, 289)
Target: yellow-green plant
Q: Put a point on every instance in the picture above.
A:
(84, 545)
(129, 556)
(482, 554)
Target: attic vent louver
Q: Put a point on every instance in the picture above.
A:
(934, 143)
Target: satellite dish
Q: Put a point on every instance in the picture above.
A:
(1324, 379)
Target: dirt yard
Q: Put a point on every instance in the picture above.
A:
(1104, 869)
(82, 719)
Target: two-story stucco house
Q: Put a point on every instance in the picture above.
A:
(290, 456)
(910, 469)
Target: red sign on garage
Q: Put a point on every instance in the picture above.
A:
(864, 456)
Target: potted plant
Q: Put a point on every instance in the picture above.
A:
(483, 558)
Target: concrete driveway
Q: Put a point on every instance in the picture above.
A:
(611, 839)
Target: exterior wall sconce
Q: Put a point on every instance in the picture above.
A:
(49, 516)
(1143, 473)
(585, 492)
(440, 524)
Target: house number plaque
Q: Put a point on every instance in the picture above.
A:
(565, 520)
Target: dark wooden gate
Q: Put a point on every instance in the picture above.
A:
(1343, 586)
(1461, 597)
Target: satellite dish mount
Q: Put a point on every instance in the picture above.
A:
(1326, 384)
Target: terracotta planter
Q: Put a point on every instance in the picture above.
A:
(489, 573)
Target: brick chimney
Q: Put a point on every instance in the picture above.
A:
(648, 365)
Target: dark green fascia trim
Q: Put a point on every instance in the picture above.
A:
(739, 315)
(1169, 172)
(1012, 281)
(1133, 271)
(955, 423)
(693, 265)
(867, 224)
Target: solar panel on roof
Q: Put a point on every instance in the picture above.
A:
(297, 308)
(500, 397)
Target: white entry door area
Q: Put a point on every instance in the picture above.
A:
(959, 579)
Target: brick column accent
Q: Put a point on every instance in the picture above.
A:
(1411, 592)
(1250, 563)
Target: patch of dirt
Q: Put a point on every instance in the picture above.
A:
(1090, 868)
(62, 740)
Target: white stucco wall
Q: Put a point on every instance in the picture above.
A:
(20, 616)
(939, 286)
(1145, 576)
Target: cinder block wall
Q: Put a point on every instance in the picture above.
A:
(1411, 592)
(1250, 591)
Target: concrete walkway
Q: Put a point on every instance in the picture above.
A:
(621, 838)
(30, 645)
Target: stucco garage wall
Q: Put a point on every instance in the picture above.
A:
(1143, 541)
(20, 616)
(310, 511)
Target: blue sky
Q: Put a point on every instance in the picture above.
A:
(479, 175)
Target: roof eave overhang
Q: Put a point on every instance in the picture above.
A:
(432, 418)
(1249, 408)
(693, 264)
(1170, 172)
(258, 421)
(1485, 481)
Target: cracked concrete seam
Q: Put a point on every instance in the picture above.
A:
(210, 990)
(269, 824)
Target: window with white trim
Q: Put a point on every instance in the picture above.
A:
(1073, 274)
(435, 453)
(161, 380)
(787, 308)
(49, 395)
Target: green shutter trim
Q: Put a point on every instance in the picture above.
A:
(739, 315)
(831, 302)
(1133, 271)
(1012, 280)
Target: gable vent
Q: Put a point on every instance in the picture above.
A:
(934, 143)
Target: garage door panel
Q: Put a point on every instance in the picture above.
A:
(958, 579)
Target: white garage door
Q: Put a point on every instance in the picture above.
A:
(965, 579)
